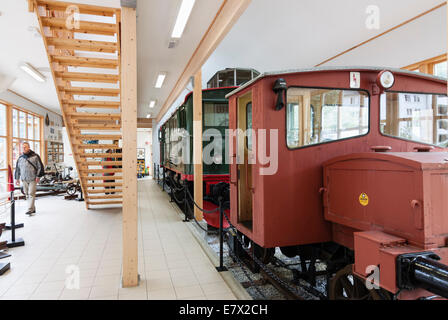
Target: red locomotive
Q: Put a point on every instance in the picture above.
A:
(361, 179)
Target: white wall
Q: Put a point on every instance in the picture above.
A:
(14, 99)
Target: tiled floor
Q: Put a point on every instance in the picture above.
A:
(64, 240)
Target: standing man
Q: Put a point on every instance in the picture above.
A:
(29, 169)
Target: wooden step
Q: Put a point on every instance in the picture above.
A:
(86, 115)
(104, 185)
(100, 155)
(106, 127)
(83, 8)
(92, 104)
(97, 146)
(102, 163)
(101, 178)
(107, 29)
(103, 203)
(85, 62)
(88, 137)
(98, 171)
(91, 91)
(88, 77)
(103, 191)
(110, 196)
(83, 45)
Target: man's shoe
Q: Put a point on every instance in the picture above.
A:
(30, 213)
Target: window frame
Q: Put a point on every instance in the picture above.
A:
(333, 141)
(427, 66)
(20, 139)
(401, 138)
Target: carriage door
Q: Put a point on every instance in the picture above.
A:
(244, 148)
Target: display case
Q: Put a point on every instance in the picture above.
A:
(54, 152)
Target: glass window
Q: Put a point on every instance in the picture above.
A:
(30, 127)
(243, 76)
(226, 78)
(15, 123)
(37, 128)
(36, 147)
(15, 152)
(414, 116)
(3, 154)
(440, 69)
(249, 125)
(316, 116)
(3, 131)
(216, 115)
(22, 124)
(3, 181)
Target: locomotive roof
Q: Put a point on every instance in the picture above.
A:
(321, 69)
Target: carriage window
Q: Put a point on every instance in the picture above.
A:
(249, 125)
(417, 117)
(216, 115)
(316, 116)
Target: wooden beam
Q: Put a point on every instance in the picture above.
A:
(87, 77)
(84, 26)
(87, 178)
(228, 14)
(83, 45)
(85, 62)
(102, 191)
(383, 33)
(144, 123)
(103, 203)
(98, 137)
(30, 5)
(92, 104)
(197, 145)
(83, 8)
(129, 121)
(101, 92)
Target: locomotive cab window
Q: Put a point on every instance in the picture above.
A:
(216, 115)
(414, 116)
(315, 116)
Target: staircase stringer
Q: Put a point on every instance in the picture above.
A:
(67, 100)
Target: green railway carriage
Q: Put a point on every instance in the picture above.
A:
(215, 116)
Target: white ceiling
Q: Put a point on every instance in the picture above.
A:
(299, 34)
(156, 20)
(271, 35)
(21, 42)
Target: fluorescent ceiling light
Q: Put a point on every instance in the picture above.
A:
(148, 116)
(152, 104)
(182, 18)
(32, 72)
(160, 79)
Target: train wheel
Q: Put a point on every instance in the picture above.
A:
(346, 286)
(264, 254)
(290, 252)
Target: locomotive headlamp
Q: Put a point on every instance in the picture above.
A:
(280, 88)
(386, 79)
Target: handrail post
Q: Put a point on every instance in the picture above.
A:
(185, 201)
(14, 242)
(221, 267)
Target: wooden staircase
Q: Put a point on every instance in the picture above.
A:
(85, 64)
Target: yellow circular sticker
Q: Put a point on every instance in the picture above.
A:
(364, 199)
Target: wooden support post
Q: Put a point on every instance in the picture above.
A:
(129, 122)
(31, 5)
(197, 144)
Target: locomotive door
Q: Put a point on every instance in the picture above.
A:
(244, 163)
